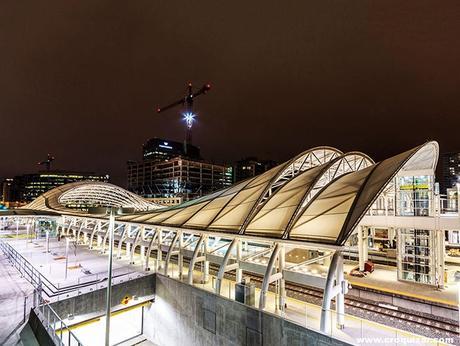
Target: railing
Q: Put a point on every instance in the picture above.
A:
(351, 329)
(45, 312)
(43, 285)
(56, 327)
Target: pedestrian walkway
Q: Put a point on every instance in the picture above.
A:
(16, 298)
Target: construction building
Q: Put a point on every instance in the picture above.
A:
(171, 171)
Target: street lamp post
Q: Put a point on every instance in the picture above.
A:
(109, 279)
(67, 240)
(27, 228)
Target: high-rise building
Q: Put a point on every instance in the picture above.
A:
(168, 171)
(159, 150)
(250, 167)
(450, 171)
(27, 187)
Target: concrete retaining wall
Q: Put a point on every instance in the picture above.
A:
(186, 315)
(39, 330)
(96, 301)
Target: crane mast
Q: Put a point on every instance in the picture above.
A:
(187, 104)
(47, 162)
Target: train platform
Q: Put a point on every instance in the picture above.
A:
(83, 271)
(356, 328)
(384, 279)
(92, 262)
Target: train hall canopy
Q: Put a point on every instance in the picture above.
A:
(319, 196)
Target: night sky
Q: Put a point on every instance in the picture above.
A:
(81, 79)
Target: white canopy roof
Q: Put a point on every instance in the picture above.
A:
(319, 196)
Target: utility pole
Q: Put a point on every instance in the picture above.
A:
(109, 279)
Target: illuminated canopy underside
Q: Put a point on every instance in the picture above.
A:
(319, 197)
(89, 193)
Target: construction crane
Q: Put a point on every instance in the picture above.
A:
(47, 162)
(187, 103)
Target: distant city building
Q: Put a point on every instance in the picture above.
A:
(168, 172)
(6, 195)
(160, 150)
(6, 189)
(166, 201)
(250, 167)
(450, 171)
(27, 187)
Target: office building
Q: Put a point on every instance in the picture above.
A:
(171, 172)
(27, 187)
(450, 175)
(250, 167)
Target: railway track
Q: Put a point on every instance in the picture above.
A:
(383, 313)
(356, 307)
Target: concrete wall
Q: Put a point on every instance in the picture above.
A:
(39, 330)
(185, 315)
(96, 301)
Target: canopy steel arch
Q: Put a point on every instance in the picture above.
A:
(290, 170)
(363, 188)
(331, 171)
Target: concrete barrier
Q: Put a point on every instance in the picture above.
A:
(96, 301)
(186, 315)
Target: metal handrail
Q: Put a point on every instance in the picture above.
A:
(38, 280)
(52, 319)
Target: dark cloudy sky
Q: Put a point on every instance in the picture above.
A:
(79, 79)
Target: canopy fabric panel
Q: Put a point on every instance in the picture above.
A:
(274, 216)
(325, 215)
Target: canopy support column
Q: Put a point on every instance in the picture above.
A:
(336, 286)
(224, 267)
(140, 231)
(205, 278)
(180, 256)
(159, 250)
(239, 271)
(79, 231)
(149, 250)
(362, 247)
(194, 259)
(269, 277)
(126, 228)
(171, 252)
(97, 226)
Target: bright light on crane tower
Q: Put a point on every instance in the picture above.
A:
(189, 119)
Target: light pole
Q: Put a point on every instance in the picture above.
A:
(109, 279)
(27, 239)
(67, 241)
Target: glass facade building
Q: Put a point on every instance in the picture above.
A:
(27, 187)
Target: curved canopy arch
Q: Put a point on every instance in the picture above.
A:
(302, 162)
(335, 211)
(275, 216)
(90, 193)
